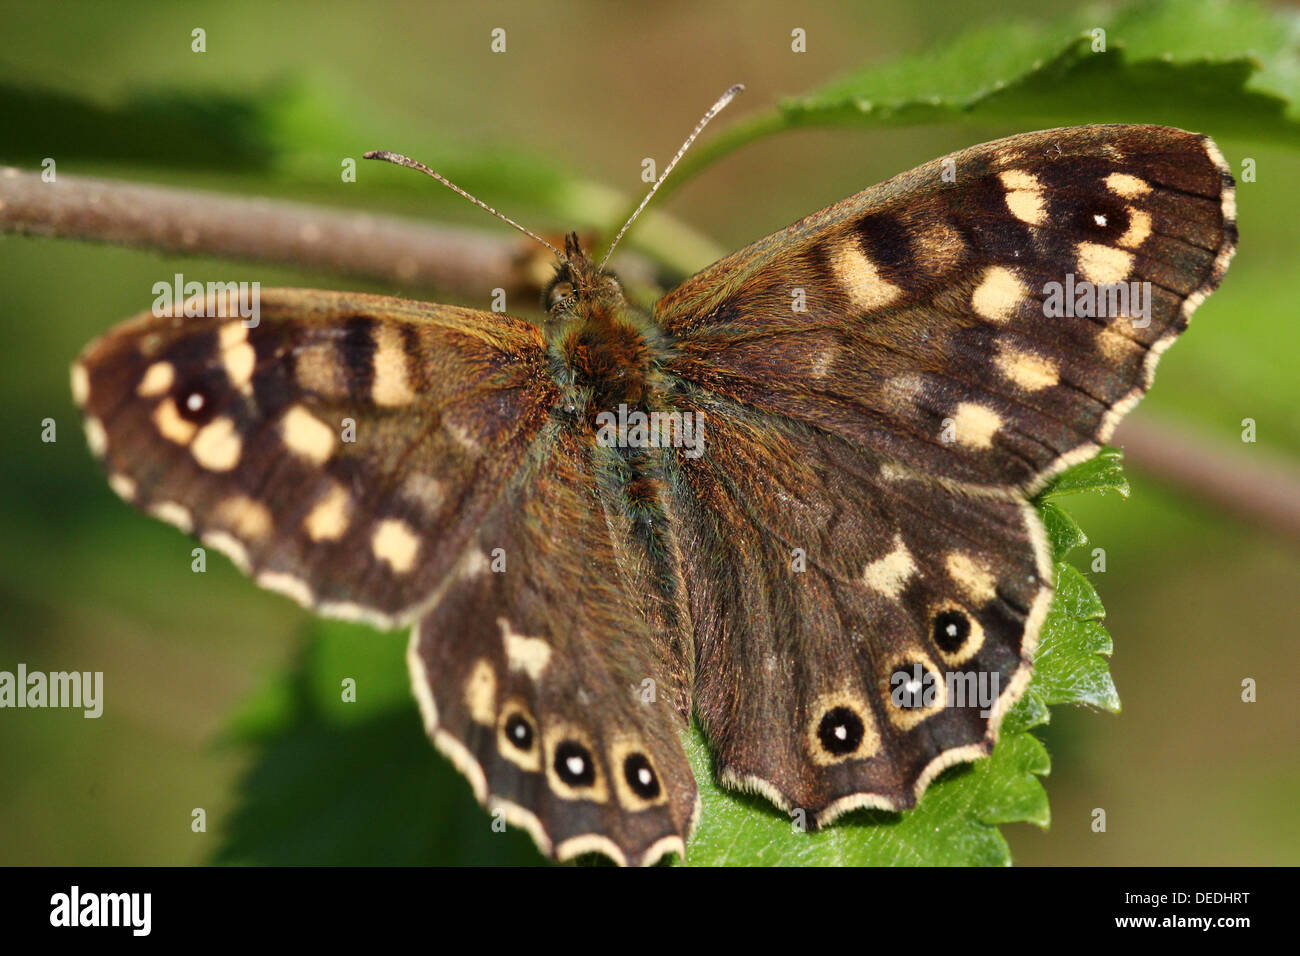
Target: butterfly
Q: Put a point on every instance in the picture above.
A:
(792, 500)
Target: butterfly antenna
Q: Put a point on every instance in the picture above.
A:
(713, 111)
(400, 160)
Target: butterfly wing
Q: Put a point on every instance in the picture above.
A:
(392, 461)
(885, 383)
(341, 451)
(563, 716)
(919, 318)
(824, 585)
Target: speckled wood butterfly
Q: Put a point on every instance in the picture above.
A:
(792, 499)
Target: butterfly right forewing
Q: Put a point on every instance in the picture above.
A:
(916, 318)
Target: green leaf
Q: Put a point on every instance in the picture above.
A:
(334, 782)
(1227, 68)
(1101, 474)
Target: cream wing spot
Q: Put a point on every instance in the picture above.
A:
(80, 383)
(999, 294)
(96, 437)
(1100, 263)
(124, 485)
(328, 518)
(976, 580)
(1024, 196)
(976, 424)
(860, 279)
(1031, 372)
(167, 419)
(157, 380)
(237, 355)
(217, 446)
(890, 574)
(391, 385)
(394, 543)
(1139, 228)
(306, 435)
(1127, 186)
(528, 654)
(481, 693)
(244, 517)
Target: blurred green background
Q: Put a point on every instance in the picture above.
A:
(1196, 602)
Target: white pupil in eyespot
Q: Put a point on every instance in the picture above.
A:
(644, 776)
(952, 630)
(519, 731)
(194, 401)
(1099, 219)
(576, 765)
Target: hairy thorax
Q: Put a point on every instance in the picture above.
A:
(602, 352)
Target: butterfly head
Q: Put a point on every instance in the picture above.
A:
(579, 284)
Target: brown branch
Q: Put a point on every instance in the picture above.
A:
(408, 253)
(1243, 480)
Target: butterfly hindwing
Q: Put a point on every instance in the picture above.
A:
(918, 318)
(538, 674)
(341, 450)
(825, 581)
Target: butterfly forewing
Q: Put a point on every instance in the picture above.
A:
(341, 450)
(939, 318)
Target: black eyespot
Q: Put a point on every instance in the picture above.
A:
(196, 401)
(519, 732)
(573, 764)
(913, 686)
(951, 631)
(640, 776)
(840, 731)
(1100, 218)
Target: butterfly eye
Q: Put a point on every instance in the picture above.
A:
(558, 292)
(640, 776)
(951, 631)
(573, 764)
(840, 731)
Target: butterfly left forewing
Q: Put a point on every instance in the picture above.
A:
(340, 451)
